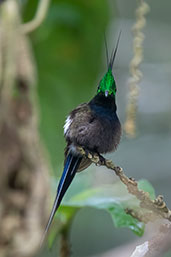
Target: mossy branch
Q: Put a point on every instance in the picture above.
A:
(150, 209)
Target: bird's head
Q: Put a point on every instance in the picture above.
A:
(107, 85)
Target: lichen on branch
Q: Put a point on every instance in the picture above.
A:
(149, 210)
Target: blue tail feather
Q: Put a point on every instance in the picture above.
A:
(70, 169)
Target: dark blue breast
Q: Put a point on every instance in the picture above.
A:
(104, 113)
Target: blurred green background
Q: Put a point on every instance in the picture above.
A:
(70, 56)
(68, 52)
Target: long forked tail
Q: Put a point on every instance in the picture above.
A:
(70, 168)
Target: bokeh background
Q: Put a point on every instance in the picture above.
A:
(70, 56)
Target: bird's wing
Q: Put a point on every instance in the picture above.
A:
(78, 121)
(77, 124)
(84, 164)
(74, 116)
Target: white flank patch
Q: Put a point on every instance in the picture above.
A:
(67, 124)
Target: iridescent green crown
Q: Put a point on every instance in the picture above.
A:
(107, 85)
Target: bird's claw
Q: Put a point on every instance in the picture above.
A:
(93, 156)
(96, 158)
(81, 150)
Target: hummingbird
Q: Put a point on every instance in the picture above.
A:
(94, 126)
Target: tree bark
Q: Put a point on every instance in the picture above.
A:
(23, 169)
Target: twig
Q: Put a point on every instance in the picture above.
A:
(157, 208)
(38, 19)
(64, 245)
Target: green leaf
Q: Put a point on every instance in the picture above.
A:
(146, 186)
(51, 238)
(68, 52)
(122, 219)
(65, 214)
(112, 198)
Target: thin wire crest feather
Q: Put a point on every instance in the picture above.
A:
(113, 54)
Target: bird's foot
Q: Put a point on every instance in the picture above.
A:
(81, 150)
(93, 156)
(102, 160)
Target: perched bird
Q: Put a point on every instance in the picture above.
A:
(94, 126)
